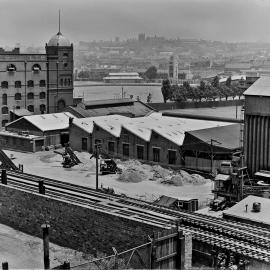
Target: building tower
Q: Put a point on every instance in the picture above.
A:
(59, 53)
(173, 69)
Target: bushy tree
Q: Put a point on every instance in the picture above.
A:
(166, 90)
(151, 73)
(215, 82)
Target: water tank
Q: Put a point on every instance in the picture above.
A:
(256, 207)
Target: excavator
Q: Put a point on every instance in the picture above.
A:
(69, 158)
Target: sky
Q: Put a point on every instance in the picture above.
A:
(33, 22)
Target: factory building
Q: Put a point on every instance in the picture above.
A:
(257, 125)
(37, 83)
(155, 138)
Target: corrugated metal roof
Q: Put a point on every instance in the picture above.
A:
(47, 122)
(259, 88)
(227, 136)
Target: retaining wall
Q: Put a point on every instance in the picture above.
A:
(72, 226)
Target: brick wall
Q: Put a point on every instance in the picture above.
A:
(72, 226)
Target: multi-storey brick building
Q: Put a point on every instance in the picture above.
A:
(38, 83)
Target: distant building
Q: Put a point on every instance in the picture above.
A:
(141, 37)
(123, 77)
(173, 69)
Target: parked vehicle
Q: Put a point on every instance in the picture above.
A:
(109, 166)
(218, 204)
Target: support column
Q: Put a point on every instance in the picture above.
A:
(4, 177)
(46, 249)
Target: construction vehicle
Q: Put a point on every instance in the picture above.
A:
(69, 158)
(218, 204)
(108, 166)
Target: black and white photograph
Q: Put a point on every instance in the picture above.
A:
(135, 134)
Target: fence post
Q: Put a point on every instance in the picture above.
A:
(45, 229)
(4, 177)
(115, 258)
(153, 253)
(66, 265)
(41, 187)
(5, 265)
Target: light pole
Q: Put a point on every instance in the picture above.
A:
(212, 153)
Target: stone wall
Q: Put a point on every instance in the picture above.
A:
(72, 226)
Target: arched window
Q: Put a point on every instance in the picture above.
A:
(18, 96)
(36, 68)
(11, 68)
(42, 83)
(61, 104)
(4, 122)
(4, 110)
(61, 82)
(30, 83)
(4, 99)
(42, 108)
(42, 95)
(65, 82)
(4, 84)
(30, 108)
(30, 95)
(69, 82)
(18, 84)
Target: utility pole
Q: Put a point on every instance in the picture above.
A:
(97, 154)
(212, 153)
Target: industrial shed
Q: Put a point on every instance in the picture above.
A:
(244, 211)
(126, 107)
(205, 149)
(41, 130)
(154, 138)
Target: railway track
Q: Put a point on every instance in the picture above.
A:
(234, 236)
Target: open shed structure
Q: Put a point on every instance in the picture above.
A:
(205, 149)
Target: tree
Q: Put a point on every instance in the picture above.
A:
(215, 81)
(166, 90)
(229, 82)
(151, 73)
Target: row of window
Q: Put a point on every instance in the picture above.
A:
(65, 82)
(18, 96)
(140, 151)
(12, 68)
(30, 108)
(18, 84)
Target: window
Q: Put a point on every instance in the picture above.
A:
(156, 154)
(4, 110)
(18, 84)
(84, 144)
(61, 104)
(42, 95)
(18, 96)
(4, 99)
(42, 108)
(36, 68)
(4, 84)
(30, 95)
(42, 83)
(4, 122)
(111, 147)
(11, 68)
(30, 108)
(140, 150)
(65, 81)
(61, 82)
(171, 156)
(126, 149)
(17, 107)
(69, 81)
(30, 83)
(65, 64)
(65, 54)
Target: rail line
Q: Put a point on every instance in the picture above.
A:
(234, 236)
